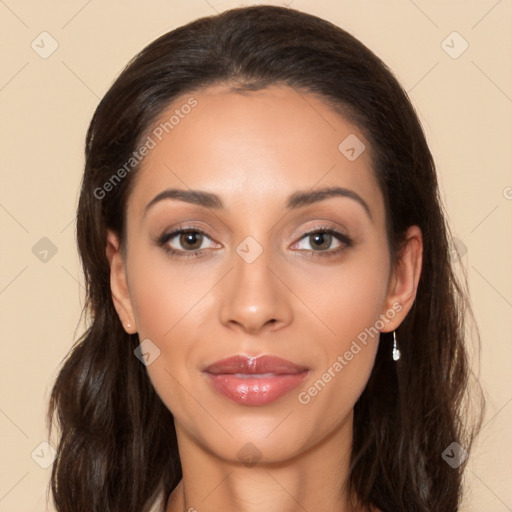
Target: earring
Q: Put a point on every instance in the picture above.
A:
(396, 352)
(128, 325)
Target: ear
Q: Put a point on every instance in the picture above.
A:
(404, 278)
(119, 284)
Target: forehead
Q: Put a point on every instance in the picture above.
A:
(257, 146)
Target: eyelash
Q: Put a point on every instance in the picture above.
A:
(344, 239)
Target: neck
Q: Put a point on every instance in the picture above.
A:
(316, 479)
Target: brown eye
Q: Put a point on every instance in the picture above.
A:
(185, 242)
(320, 242)
(191, 240)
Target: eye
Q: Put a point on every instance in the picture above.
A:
(184, 242)
(320, 241)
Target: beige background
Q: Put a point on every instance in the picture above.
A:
(465, 105)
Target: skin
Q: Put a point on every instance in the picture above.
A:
(254, 150)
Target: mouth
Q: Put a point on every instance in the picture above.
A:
(255, 381)
(247, 365)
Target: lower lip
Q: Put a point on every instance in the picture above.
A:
(253, 390)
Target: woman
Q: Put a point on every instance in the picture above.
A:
(274, 319)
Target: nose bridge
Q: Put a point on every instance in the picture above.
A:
(254, 296)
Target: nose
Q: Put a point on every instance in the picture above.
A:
(254, 296)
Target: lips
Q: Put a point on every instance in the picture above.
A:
(255, 381)
(253, 366)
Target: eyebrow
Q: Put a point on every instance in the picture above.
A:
(294, 201)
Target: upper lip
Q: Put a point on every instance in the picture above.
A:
(254, 365)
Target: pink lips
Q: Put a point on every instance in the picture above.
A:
(255, 381)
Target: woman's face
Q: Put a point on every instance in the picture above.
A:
(264, 281)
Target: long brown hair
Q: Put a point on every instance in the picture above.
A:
(117, 447)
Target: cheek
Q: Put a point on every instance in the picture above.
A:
(350, 307)
(165, 293)
(170, 299)
(348, 297)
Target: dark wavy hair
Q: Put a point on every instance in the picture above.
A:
(117, 448)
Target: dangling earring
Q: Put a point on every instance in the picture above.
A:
(396, 352)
